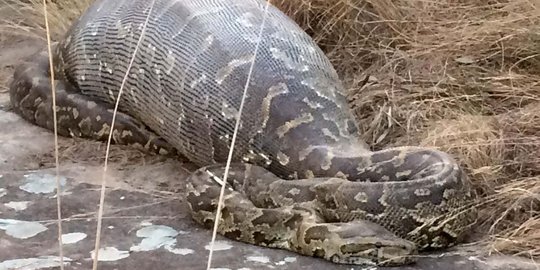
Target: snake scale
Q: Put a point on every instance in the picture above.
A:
(182, 94)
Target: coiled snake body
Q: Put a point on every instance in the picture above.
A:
(182, 94)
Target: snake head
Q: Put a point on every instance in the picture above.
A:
(376, 251)
(358, 242)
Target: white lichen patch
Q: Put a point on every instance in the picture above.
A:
(41, 183)
(3, 192)
(154, 237)
(21, 229)
(258, 259)
(17, 206)
(146, 223)
(109, 254)
(34, 263)
(286, 260)
(219, 246)
(157, 236)
(72, 238)
(180, 251)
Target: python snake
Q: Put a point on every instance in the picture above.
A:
(301, 178)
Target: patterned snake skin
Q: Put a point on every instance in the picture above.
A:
(347, 204)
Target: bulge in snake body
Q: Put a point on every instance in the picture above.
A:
(301, 179)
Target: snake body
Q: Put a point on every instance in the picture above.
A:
(300, 179)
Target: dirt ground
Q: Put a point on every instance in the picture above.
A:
(146, 225)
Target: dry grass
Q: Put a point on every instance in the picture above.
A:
(26, 17)
(461, 76)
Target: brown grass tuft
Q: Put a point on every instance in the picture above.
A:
(461, 76)
(26, 17)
